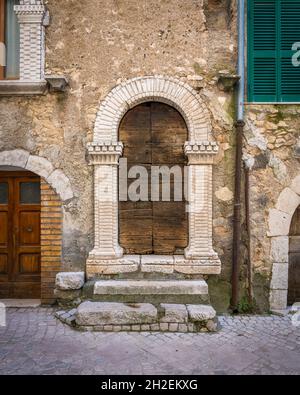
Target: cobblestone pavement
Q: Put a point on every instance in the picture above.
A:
(34, 342)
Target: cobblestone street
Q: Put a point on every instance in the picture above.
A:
(34, 342)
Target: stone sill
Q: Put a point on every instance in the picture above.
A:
(152, 264)
(22, 88)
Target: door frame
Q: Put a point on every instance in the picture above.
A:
(50, 234)
(104, 152)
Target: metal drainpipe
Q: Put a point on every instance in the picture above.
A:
(236, 255)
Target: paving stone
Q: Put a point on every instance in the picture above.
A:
(35, 342)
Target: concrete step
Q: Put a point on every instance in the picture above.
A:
(151, 291)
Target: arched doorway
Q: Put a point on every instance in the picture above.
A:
(153, 135)
(20, 235)
(105, 153)
(294, 259)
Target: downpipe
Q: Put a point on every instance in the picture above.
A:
(239, 128)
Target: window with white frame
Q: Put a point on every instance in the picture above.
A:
(22, 39)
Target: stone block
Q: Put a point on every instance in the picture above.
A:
(154, 327)
(280, 249)
(150, 287)
(136, 328)
(98, 328)
(198, 269)
(173, 327)
(61, 184)
(98, 313)
(157, 264)
(211, 326)
(182, 328)
(295, 308)
(280, 273)
(278, 299)
(16, 158)
(288, 201)
(157, 260)
(279, 223)
(145, 328)
(200, 313)
(296, 185)
(39, 165)
(174, 313)
(67, 296)
(165, 269)
(69, 281)
(164, 327)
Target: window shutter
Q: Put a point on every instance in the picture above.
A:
(273, 28)
(289, 89)
(262, 54)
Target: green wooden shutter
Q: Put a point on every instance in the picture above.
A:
(289, 18)
(273, 27)
(262, 67)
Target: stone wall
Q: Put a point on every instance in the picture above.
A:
(272, 154)
(99, 44)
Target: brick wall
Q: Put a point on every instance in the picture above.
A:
(51, 240)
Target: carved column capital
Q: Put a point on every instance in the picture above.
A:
(30, 13)
(104, 153)
(201, 152)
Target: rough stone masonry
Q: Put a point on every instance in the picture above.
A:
(99, 47)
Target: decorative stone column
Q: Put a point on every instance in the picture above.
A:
(30, 15)
(200, 161)
(106, 257)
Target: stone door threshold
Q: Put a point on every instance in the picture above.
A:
(21, 303)
(152, 264)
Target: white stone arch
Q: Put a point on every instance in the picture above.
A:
(280, 219)
(163, 89)
(104, 152)
(40, 166)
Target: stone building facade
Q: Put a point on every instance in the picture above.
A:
(115, 55)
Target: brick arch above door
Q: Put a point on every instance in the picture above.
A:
(55, 192)
(168, 90)
(40, 166)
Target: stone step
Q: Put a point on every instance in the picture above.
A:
(107, 316)
(97, 313)
(151, 291)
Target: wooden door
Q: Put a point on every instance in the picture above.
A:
(20, 250)
(154, 134)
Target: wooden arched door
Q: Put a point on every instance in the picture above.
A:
(154, 134)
